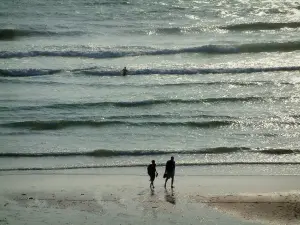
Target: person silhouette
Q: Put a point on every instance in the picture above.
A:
(170, 171)
(124, 71)
(152, 173)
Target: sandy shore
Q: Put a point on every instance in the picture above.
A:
(127, 199)
(268, 208)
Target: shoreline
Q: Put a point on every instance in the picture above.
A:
(208, 170)
(126, 199)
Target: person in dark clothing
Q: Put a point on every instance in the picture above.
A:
(170, 171)
(124, 71)
(152, 173)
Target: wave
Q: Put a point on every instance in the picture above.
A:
(117, 53)
(151, 102)
(296, 116)
(168, 30)
(213, 83)
(27, 72)
(111, 153)
(69, 53)
(270, 47)
(225, 82)
(161, 116)
(34, 72)
(188, 84)
(16, 133)
(61, 124)
(108, 3)
(190, 71)
(144, 165)
(116, 153)
(20, 73)
(261, 26)
(11, 34)
(140, 72)
(231, 27)
(279, 151)
(27, 81)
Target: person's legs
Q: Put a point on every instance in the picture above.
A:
(167, 178)
(172, 181)
(152, 180)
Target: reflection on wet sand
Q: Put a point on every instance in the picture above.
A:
(170, 197)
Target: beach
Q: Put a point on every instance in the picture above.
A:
(215, 84)
(107, 197)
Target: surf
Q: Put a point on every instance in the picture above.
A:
(117, 52)
(144, 72)
(62, 124)
(124, 153)
(148, 103)
(10, 34)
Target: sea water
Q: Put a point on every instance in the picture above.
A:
(209, 82)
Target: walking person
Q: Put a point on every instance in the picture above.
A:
(152, 173)
(170, 171)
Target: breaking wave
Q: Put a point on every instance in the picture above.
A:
(168, 30)
(206, 49)
(140, 72)
(150, 102)
(11, 34)
(261, 26)
(27, 72)
(116, 153)
(61, 124)
(191, 71)
(144, 165)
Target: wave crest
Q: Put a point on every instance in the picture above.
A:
(146, 103)
(141, 72)
(116, 153)
(11, 34)
(27, 72)
(117, 53)
(261, 26)
(62, 124)
(112, 153)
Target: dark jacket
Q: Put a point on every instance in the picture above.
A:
(151, 169)
(170, 166)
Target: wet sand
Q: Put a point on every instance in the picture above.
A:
(127, 199)
(265, 208)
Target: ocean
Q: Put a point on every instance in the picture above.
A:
(213, 83)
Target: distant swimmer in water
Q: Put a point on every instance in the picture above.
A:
(124, 71)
